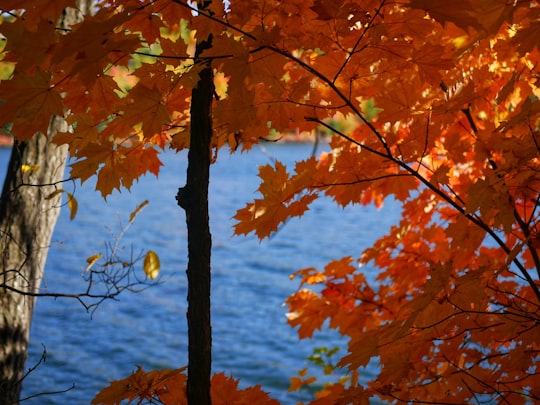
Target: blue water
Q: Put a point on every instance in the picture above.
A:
(252, 340)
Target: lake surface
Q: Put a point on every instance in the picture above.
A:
(251, 338)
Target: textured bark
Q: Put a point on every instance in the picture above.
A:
(27, 220)
(194, 199)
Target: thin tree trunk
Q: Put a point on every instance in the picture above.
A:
(194, 199)
(27, 220)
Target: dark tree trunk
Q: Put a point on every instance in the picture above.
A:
(27, 220)
(193, 198)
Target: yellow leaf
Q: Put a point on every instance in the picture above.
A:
(72, 203)
(73, 206)
(151, 264)
(92, 260)
(27, 168)
(137, 210)
(54, 193)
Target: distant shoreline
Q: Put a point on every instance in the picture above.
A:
(6, 141)
(299, 137)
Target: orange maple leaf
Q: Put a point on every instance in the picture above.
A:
(283, 197)
(485, 16)
(145, 106)
(145, 385)
(35, 40)
(29, 101)
(38, 10)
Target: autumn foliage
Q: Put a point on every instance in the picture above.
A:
(432, 103)
(168, 387)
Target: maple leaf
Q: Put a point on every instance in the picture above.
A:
(485, 16)
(148, 109)
(145, 385)
(469, 291)
(36, 41)
(397, 361)
(173, 13)
(120, 390)
(95, 154)
(440, 175)
(451, 98)
(173, 391)
(433, 288)
(432, 61)
(140, 160)
(115, 166)
(96, 99)
(361, 351)
(324, 10)
(477, 197)
(283, 197)
(84, 133)
(307, 311)
(145, 21)
(86, 50)
(525, 38)
(38, 10)
(29, 102)
(327, 10)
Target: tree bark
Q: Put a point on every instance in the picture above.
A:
(193, 198)
(27, 221)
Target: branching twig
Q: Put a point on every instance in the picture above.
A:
(41, 361)
(47, 393)
(104, 281)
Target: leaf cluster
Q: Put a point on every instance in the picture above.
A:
(431, 103)
(168, 387)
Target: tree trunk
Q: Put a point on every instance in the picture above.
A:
(193, 198)
(27, 220)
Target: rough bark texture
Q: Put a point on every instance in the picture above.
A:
(194, 199)
(27, 220)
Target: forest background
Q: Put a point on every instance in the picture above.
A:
(440, 102)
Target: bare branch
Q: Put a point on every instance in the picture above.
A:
(41, 361)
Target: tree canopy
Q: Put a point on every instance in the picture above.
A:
(432, 103)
